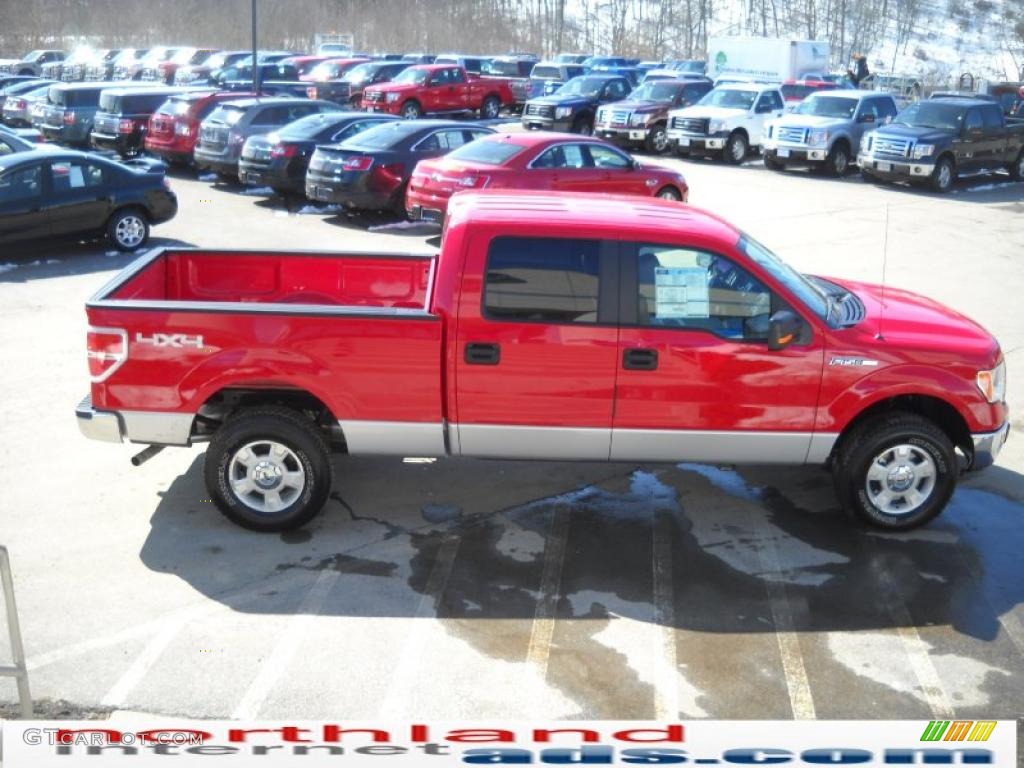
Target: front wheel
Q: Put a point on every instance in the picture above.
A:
(411, 111)
(583, 126)
(736, 149)
(491, 108)
(670, 193)
(657, 140)
(268, 469)
(1016, 168)
(838, 161)
(895, 471)
(944, 176)
(128, 229)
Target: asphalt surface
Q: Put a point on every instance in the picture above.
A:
(473, 589)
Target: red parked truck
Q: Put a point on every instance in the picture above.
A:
(438, 89)
(549, 326)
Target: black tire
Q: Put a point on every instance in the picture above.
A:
(656, 142)
(772, 164)
(411, 110)
(669, 193)
(583, 125)
(942, 181)
(491, 108)
(355, 103)
(128, 229)
(838, 161)
(736, 148)
(309, 453)
(871, 440)
(1016, 168)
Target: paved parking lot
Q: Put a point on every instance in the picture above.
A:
(472, 589)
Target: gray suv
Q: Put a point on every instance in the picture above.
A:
(70, 109)
(223, 133)
(825, 129)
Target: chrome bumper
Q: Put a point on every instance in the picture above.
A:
(987, 446)
(152, 427)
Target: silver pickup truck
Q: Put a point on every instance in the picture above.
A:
(825, 129)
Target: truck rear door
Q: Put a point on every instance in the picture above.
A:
(696, 379)
(536, 347)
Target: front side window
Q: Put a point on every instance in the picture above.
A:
(688, 288)
(21, 184)
(542, 280)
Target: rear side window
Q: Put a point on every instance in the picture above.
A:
(21, 184)
(992, 117)
(542, 280)
(69, 175)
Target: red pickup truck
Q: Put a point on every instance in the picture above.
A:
(549, 326)
(438, 89)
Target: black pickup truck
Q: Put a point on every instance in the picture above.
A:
(273, 79)
(934, 141)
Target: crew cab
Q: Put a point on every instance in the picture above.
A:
(272, 79)
(549, 326)
(824, 131)
(727, 123)
(934, 141)
(641, 119)
(439, 89)
(572, 108)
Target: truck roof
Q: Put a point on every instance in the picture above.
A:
(614, 215)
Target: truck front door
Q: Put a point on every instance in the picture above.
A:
(696, 378)
(536, 347)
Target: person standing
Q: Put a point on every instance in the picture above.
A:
(858, 71)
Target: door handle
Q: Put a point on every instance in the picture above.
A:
(482, 354)
(640, 359)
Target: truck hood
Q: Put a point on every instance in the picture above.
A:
(714, 113)
(916, 133)
(9, 62)
(394, 87)
(638, 105)
(809, 121)
(913, 321)
(563, 101)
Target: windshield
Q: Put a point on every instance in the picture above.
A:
(155, 56)
(656, 91)
(486, 152)
(928, 114)
(184, 56)
(731, 98)
(582, 86)
(413, 75)
(501, 68)
(827, 106)
(361, 73)
(799, 285)
(32, 55)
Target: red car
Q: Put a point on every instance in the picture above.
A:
(439, 89)
(173, 129)
(549, 161)
(795, 91)
(549, 326)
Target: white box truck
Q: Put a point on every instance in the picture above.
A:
(766, 58)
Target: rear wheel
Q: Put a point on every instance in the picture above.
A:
(1016, 168)
(128, 229)
(944, 175)
(657, 140)
(491, 108)
(736, 148)
(896, 471)
(411, 110)
(268, 469)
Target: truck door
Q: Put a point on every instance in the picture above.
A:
(992, 154)
(696, 378)
(970, 147)
(768, 105)
(536, 347)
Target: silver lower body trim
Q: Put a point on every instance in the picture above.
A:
(725, 447)
(394, 438)
(987, 446)
(499, 441)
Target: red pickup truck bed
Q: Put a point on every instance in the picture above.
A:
(550, 326)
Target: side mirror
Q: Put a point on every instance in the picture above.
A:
(784, 327)
(866, 119)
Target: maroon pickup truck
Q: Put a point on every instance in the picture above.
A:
(550, 326)
(439, 89)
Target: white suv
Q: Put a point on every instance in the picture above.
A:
(728, 122)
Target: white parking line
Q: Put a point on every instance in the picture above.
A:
(916, 649)
(402, 681)
(666, 691)
(801, 700)
(144, 661)
(277, 663)
(543, 629)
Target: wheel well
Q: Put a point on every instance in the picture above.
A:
(946, 155)
(130, 207)
(673, 187)
(742, 132)
(844, 141)
(224, 403)
(945, 416)
(413, 100)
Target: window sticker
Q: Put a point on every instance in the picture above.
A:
(681, 292)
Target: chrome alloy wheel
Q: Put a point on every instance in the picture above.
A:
(266, 476)
(901, 479)
(130, 231)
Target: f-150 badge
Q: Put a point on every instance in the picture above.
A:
(853, 362)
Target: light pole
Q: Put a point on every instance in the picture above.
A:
(255, 71)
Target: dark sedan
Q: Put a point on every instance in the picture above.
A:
(279, 160)
(66, 194)
(371, 171)
(11, 142)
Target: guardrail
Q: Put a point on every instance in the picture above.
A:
(17, 670)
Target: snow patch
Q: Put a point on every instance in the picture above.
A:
(315, 209)
(257, 192)
(207, 176)
(403, 226)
